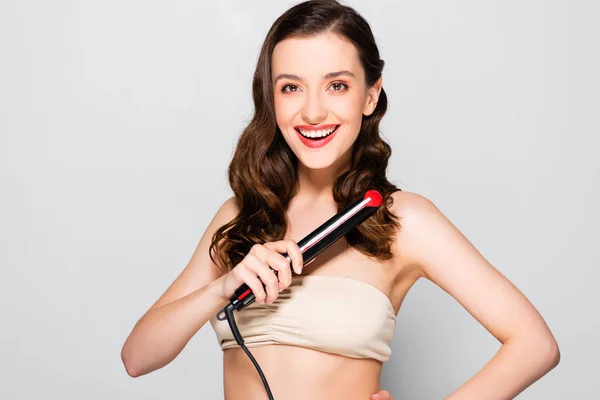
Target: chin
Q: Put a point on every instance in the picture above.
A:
(316, 162)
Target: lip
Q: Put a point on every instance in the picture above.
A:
(314, 128)
(316, 143)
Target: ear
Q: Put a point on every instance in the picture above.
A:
(372, 97)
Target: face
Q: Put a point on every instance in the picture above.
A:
(320, 91)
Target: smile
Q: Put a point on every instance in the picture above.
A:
(319, 137)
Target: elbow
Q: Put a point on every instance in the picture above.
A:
(130, 366)
(551, 353)
(541, 349)
(131, 371)
(547, 352)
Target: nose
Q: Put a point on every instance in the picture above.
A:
(314, 111)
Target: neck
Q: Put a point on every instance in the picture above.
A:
(317, 184)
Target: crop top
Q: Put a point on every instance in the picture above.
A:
(333, 314)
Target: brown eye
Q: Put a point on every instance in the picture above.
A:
(292, 88)
(339, 87)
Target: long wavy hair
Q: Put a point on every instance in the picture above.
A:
(263, 170)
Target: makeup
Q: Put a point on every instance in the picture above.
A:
(316, 142)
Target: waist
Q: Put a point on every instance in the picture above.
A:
(296, 373)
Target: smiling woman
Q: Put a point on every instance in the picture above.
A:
(312, 148)
(332, 103)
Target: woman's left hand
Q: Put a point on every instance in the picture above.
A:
(381, 395)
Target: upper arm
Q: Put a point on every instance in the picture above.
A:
(200, 270)
(445, 257)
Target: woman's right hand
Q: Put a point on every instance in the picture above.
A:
(258, 263)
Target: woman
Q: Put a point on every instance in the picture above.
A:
(312, 148)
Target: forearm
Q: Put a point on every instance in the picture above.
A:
(161, 334)
(516, 365)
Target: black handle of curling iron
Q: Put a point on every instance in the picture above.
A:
(318, 240)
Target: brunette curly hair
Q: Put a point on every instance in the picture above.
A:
(263, 170)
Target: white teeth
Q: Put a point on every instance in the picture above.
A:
(319, 133)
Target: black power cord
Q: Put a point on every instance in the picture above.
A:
(228, 310)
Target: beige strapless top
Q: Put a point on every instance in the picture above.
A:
(334, 314)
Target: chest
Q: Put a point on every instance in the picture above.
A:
(340, 259)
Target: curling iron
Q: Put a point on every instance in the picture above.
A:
(310, 246)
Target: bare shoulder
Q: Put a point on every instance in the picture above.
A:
(411, 208)
(425, 234)
(201, 270)
(228, 210)
(409, 203)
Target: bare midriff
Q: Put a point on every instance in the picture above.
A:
(298, 373)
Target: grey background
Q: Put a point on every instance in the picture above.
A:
(119, 118)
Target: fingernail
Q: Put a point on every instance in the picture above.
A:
(375, 397)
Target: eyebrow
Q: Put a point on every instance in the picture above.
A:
(326, 76)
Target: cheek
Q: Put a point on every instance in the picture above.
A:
(284, 111)
(284, 117)
(348, 109)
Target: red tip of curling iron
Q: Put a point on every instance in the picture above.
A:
(376, 198)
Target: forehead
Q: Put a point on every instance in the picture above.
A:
(315, 56)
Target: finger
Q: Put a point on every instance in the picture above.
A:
(284, 270)
(266, 275)
(251, 279)
(263, 252)
(278, 265)
(276, 262)
(293, 251)
(282, 265)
